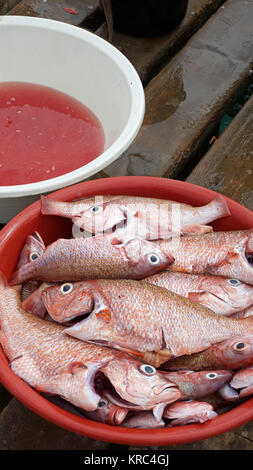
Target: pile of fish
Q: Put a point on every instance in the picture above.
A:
(145, 323)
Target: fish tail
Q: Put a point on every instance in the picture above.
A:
(51, 207)
(218, 207)
(24, 273)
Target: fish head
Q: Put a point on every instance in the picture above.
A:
(140, 384)
(231, 294)
(34, 302)
(236, 351)
(199, 384)
(108, 412)
(100, 215)
(209, 381)
(186, 412)
(32, 249)
(242, 379)
(145, 257)
(68, 300)
(143, 420)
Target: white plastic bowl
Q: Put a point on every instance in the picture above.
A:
(83, 65)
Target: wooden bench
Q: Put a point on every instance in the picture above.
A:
(191, 77)
(228, 166)
(186, 100)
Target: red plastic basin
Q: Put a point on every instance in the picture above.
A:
(12, 238)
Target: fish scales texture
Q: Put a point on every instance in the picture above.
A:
(42, 355)
(222, 296)
(196, 385)
(91, 258)
(217, 253)
(144, 317)
(233, 353)
(51, 345)
(100, 213)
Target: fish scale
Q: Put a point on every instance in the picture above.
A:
(161, 321)
(42, 354)
(216, 253)
(222, 296)
(91, 258)
(225, 355)
(151, 217)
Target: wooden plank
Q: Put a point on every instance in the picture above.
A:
(189, 96)
(228, 166)
(6, 5)
(149, 54)
(54, 9)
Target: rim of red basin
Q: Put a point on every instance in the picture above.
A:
(134, 185)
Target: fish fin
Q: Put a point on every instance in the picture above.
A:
(158, 411)
(246, 392)
(132, 250)
(37, 237)
(234, 262)
(28, 288)
(22, 274)
(34, 304)
(215, 209)
(74, 383)
(104, 313)
(48, 205)
(196, 229)
(208, 300)
(196, 296)
(116, 218)
(221, 206)
(157, 358)
(116, 241)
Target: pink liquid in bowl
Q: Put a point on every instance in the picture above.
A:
(44, 133)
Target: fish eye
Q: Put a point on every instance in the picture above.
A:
(102, 403)
(66, 288)
(234, 282)
(240, 346)
(33, 256)
(211, 375)
(153, 258)
(96, 209)
(147, 369)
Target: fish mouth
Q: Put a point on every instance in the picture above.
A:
(80, 317)
(114, 397)
(76, 319)
(249, 258)
(111, 393)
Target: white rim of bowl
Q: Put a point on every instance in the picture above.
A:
(123, 141)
